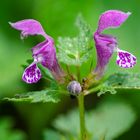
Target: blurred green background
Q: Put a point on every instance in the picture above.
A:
(57, 17)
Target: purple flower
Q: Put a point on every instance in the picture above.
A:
(43, 52)
(107, 44)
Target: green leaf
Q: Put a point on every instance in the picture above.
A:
(38, 96)
(7, 132)
(124, 80)
(76, 50)
(107, 121)
(106, 89)
(121, 81)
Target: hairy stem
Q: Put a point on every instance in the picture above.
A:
(82, 116)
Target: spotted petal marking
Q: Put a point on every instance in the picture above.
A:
(125, 59)
(31, 74)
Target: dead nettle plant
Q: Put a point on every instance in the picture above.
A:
(75, 52)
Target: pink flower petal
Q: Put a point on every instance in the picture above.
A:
(105, 46)
(28, 27)
(45, 54)
(31, 74)
(125, 59)
(111, 19)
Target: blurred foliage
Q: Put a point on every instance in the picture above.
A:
(11, 57)
(108, 121)
(7, 132)
(58, 17)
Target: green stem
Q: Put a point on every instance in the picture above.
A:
(68, 72)
(82, 116)
(78, 73)
(92, 90)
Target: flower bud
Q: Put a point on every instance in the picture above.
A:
(74, 87)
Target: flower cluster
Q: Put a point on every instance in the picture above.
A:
(45, 52)
(107, 44)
